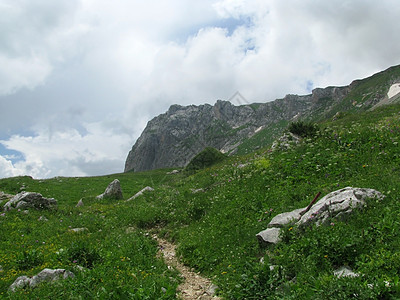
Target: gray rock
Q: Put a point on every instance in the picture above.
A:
(5, 197)
(43, 219)
(173, 172)
(113, 191)
(20, 283)
(141, 192)
(77, 230)
(269, 236)
(50, 275)
(212, 289)
(80, 203)
(286, 218)
(44, 275)
(338, 204)
(345, 272)
(25, 200)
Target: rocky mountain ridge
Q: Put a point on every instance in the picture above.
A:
(172, 139)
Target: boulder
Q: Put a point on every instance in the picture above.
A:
(25, 200)
(5, 197)
(269, 236)
(286, 218)
(113, 191)
(44, 275)
(338, 204)
(141, 192)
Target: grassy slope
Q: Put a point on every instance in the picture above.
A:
(215, 228)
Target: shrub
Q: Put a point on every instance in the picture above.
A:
(206, 158)
(303, 129)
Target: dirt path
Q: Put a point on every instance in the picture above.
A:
(194, 286)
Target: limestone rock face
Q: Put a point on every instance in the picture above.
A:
(113, 191)
(26, 200)
(172, 139)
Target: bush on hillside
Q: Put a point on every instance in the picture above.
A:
(303, 129)
(206, 158)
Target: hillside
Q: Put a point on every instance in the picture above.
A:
(213, 216)
(172, 139)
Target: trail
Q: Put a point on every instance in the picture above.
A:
(194, 286)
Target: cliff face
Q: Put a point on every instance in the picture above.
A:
(172, 139)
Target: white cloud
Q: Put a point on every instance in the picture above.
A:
(68, 153)
(69, 66)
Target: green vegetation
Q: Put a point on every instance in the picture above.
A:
(303, 129)
(206, 158)
(213, 215)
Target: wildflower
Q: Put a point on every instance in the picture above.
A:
(3, 214)
(224, 273)
(332, 224)
(290, 228)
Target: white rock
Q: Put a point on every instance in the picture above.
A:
(338, 204)
(44, 275)
(113, 191)
(286, 218)
(345, 272)
(141, 192)
(269, 236)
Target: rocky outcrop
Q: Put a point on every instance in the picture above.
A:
(45, 275)
(26, 200)
(113, 191)
(336, 205)
(172, 139)
(5, 197)
(175, 137)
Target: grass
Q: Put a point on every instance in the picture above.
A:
(213, 215)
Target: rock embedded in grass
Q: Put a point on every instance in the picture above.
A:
(26, 200)
(45, 275)
(338, 205)
(335, 205)
(141, 192)
(113, 191)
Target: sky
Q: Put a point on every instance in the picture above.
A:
(80, 79)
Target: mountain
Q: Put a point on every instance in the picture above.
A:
(172, 139)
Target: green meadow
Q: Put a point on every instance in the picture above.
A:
(213, 215)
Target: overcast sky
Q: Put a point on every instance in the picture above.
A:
(79, 79)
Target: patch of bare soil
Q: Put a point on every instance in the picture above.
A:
(194, 286)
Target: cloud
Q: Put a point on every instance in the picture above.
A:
(68, 153)
(73, 67)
